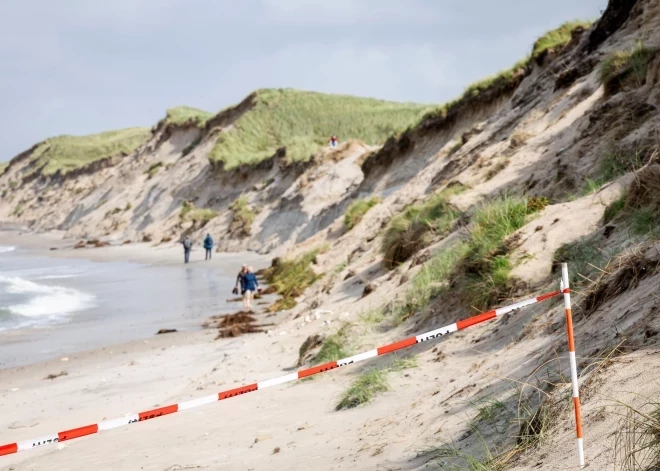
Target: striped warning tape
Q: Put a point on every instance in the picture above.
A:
(152, 414)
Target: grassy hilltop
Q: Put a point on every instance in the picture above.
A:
(67, 153)
(303, 121)
(181, 115)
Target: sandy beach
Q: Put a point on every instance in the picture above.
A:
(289, 427)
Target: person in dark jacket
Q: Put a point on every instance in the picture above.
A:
(250, 285)
(239, 280)
(208, 245)
(187, 247)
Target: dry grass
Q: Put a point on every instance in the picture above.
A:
(626, 69)
(153, 169)
(416, 227)
(357, 210)
(199, 216)
(497, 168)
(637, 443)
(243, 216)
(620, 275)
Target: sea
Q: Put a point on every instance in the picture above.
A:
(54, 306)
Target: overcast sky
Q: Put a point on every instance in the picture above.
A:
(85, 66)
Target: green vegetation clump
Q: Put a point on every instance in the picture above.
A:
(614, 209)
(3, 167)
(333, 348)
(186, 115)
(302, 122)
(112, 212)
(372, 383)
(372, 316)
(199, 216)
(18, 210)
(638, 210)
(620, 161)
(290, 278)
(430, 281)
(243, 216)
(364, 389)
(357, 210)
(644, 220)
(643, 200)
(557, 38)
(624, 69)
(486, 267)
(585, 259)
(153, 169)
(639, 206)
(415, 228)
(500, 79)
(67, 153)
(340, 267)
(477, 268)
(616, 162)
(497, 168)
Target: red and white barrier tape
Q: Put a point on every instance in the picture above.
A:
(152, 414)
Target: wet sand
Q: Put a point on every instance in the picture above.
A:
(133, 292)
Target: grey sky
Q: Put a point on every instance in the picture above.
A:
(85, 66)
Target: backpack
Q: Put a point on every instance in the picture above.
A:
(187, 243)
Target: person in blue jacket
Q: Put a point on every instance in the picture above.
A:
(208, 245)
(250, 284)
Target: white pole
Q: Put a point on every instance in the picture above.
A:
(565, 288)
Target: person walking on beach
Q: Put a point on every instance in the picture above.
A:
(208, 245)
(250, 285)
(187, 247)
(239, 280)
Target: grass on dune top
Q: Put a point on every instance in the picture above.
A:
(67, 153)
(3, 166)
(185, 114)
(556, 38)
(304, 121)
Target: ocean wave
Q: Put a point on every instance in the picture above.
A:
(57, 277)
(6, 248)
(45, 300)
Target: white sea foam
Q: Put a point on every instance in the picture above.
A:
(44, 300)
(6, 248)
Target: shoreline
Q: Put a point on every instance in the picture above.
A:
(223, 266)
(53, 246)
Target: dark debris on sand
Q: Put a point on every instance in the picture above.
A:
(235, 325)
